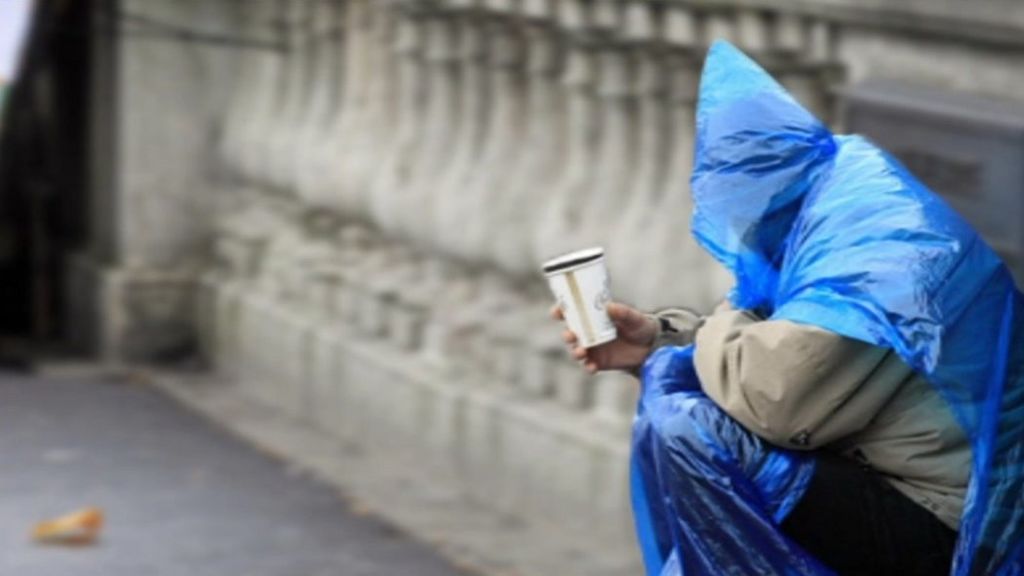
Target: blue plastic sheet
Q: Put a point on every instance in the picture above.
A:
(831, 231)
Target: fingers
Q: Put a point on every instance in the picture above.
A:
(626, 317)
(578, 353)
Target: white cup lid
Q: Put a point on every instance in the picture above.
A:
(573, 259)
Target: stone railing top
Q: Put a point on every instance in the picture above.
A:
(609, 14)
(543, 9)
(999, 22)
(574, 14)
(680, 26)
(504, 6)
(643, 21)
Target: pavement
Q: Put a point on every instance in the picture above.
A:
(181, 496)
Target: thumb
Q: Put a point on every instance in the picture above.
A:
(625, 317)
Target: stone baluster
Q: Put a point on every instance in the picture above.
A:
(821, 43)
(615, 160)
(296, 114)
(681, 28)
(474, 102)
(331, 182)
(608, 15)
(653, 148)
(292, 95)
(719, 24)
(254, 229)
(397, 168)
(241, 236)
(752, 31)
(559, 220)
(248, 88)
(270, 90)
(533, 178)
(421, 286)
(327, 77)
(445, 291)
(440, 133)
(790, 36)
(488, 184)
(378, 126)
(382, 276)
(513, 346)
(360, 134)
(287, 270)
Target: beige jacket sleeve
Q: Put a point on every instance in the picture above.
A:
(796, 386)
(676, 327)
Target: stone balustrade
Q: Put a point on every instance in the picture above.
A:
(408, 164)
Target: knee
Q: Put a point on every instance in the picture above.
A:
(699, 430)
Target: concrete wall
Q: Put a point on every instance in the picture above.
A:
(159, 99)
(350, 226)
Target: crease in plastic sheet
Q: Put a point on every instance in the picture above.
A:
(831, 231)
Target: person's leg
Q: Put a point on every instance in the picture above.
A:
(731, 500)
(858, 524)
(716, 492)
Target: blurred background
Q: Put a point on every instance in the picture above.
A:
(318, 224)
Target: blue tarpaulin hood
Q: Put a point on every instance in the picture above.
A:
(832, 231)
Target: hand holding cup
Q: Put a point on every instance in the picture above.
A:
(604, 335)
(628, 351)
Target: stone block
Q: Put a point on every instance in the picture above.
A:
(254, 340)
(227, 331)
(481, 454)
(147, 315)
(405, 325)
(324, 384)
(205, 315)
(293, 353)
(441, 419)
(82, 303)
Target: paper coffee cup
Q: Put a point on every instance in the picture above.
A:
(579, 280)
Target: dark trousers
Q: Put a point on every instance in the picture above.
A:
(856, 523)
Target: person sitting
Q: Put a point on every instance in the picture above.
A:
(892, 464)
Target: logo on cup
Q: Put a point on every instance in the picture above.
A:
(604, 296)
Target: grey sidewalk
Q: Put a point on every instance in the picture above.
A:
(181, 496)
